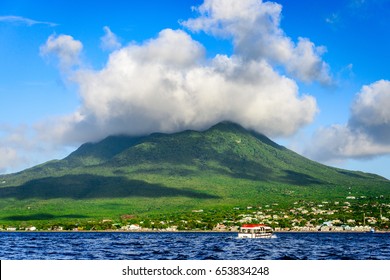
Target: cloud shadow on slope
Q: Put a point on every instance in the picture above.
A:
(88, 186)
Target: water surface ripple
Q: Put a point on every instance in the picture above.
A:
(192, 246)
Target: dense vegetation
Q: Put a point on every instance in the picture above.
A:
(218, 169)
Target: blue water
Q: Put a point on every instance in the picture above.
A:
(192, 246)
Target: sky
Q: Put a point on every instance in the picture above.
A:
(311, 75)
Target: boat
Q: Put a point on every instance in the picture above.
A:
(255, 231)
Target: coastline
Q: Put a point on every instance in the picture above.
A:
(184, 231)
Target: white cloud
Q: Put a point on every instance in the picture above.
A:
(109, 41)
(306, 64)
(65, 48)
(254, 27)
(166, 84)
(371, 110)
(367, 133)
(14, 142)
(23, 20)
(22, 146)
(16, 145)
(8, 159)
(340, 142)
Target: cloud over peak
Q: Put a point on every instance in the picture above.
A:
(167, 83)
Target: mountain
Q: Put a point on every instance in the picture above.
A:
(223, 166)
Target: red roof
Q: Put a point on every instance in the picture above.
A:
(253, 225)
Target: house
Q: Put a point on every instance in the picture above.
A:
(172, 228)
(134, 227)
(328, 224)
(220, 227)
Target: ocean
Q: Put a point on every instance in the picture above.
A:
(192, 246)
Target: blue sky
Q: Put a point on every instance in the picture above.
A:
(312, 75)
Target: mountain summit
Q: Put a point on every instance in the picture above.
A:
(225, 165)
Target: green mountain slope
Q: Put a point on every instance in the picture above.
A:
(222, 167)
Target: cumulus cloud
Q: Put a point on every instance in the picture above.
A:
(367, 133)
(254, 27)
(167, 84)
(63, 47)
(23, 20)
(109, 41)
(370, 111)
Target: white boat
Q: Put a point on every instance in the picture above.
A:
(255, 231)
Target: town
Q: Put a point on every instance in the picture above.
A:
(357, 214)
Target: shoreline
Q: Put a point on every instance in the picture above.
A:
(182, 231)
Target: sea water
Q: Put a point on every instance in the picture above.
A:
(191, 246)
